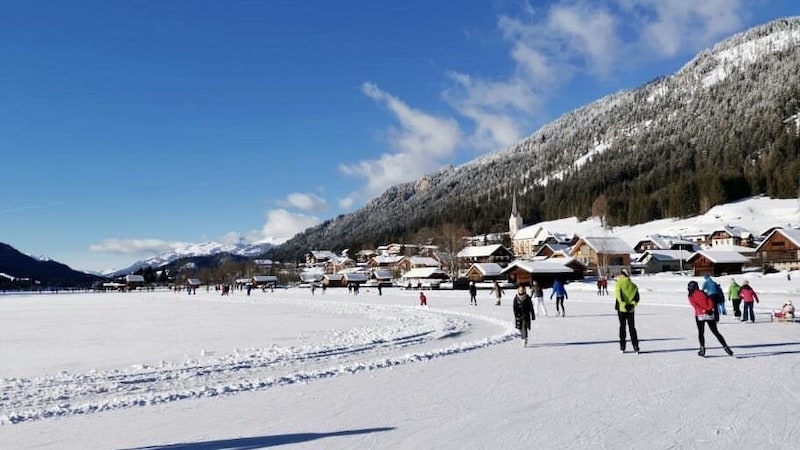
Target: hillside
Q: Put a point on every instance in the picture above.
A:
(709, 134)
(32, 271)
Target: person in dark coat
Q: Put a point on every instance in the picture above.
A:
(704, 314)
(523, 313)
(473, 293)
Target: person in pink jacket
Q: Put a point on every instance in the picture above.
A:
(748, 296)
(704, 314)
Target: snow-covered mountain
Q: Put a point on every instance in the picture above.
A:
(239, 248)
(717, 130)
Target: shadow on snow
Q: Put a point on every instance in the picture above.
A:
(249, 443)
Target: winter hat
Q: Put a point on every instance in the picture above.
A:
(692, 286)
(626, 273)
(745, 282)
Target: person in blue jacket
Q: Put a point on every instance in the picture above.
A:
(714, 291)
(561, 294)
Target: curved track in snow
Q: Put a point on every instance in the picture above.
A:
(397, 335)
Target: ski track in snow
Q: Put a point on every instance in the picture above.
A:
(427, 333)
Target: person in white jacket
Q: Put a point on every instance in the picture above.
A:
(538, 298)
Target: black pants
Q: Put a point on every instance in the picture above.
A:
(627, 317)
(560, 304)
(711, 326)
(736, 311)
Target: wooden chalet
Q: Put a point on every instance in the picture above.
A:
(717, 263)
(661, 242)
(133, 281)
(480, 272)
(265, 281)
(334, 280)
(780, 250)
(656, 261)
(484, 254)
(544, 272)
(414, 262)
(731, 236)
(603, 255)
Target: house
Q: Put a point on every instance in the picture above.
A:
(338, 263)
(731, 236)
(603, 255)
(334, 280)
(264, 280)
(793, 124)
(354, 278)
(716, 263)
(381, 277)
(193, 283)
(483, 254)
(780, 250)
(656, 261)
(552, 251)
(412, 262)
(661, 242)
(425, 277)
(386, 262)
(480, 272)
(527, 241)
(319, 257)
(133, 281)
(544, 272)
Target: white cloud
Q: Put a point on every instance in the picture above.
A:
(686, 24)
(281, 225)
(306, 202)
(421, 144)
(127, 246)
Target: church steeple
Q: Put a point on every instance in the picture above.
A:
(515, 221)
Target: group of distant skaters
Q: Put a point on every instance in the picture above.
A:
(708, 303)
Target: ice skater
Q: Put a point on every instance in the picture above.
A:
(561, 293)
(704, 314)
(523, 313)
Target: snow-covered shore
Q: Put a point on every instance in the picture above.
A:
(164, 370)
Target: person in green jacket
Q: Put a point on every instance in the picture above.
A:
(733, 296)
(626, 296)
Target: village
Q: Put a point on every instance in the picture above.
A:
(538, 253)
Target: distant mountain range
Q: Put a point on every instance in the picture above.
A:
(20, 270)
(718, 130)
(197, 252)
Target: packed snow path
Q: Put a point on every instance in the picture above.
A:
(397, 335)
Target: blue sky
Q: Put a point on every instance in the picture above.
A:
(128, 128)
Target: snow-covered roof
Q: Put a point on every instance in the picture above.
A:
(478, 251)
(387, 259)
(735, 231)
(665, 242)
(792, 234)
(382, 274)
(734, 248)
(134, 278)
(608, 244)
(423, 261)
(334, 277)
(546, 266)
(323, 254)
(426, 272)
(721, 257)
(193, 282)
(356, 277)
(666, 255)
(488, 269)
(265, 278)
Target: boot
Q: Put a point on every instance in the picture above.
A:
(728, 350)
(702, 351)
(524, 342)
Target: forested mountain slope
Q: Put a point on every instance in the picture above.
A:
(711, 133)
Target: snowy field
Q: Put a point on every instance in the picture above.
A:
(285, 369)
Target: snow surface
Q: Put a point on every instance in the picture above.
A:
(160, 370)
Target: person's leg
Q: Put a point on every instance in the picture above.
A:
(632, 331)
(737, 312)
(622, 335)
(713, 327)
(744, 311)
(561, 301)
(701, 339)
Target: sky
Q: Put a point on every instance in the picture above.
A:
(131, 128)
(164, 371)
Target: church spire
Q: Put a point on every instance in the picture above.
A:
(515, 221)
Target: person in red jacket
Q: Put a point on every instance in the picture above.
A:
(704, 314)
(423, 301)
(748, 296)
